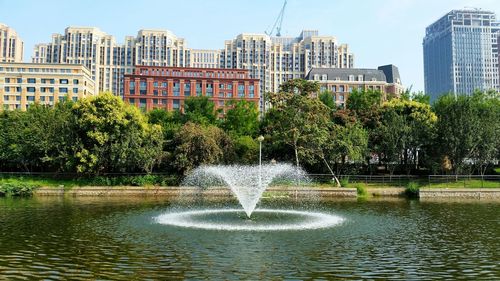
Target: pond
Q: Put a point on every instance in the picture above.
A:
(56, 238)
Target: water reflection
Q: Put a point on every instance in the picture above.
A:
(117, 238)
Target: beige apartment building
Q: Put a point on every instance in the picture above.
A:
(275, 60)
(22, 84)
(11, 45)
(341, 82)
(272, 60)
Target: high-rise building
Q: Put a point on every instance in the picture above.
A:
(275, 60)
(11, 45)
(272, 60)
(461, 53)
(22, 84)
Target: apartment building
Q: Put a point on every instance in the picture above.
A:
(11, 45)
(22, 84)
(340, 82)
(272, 60)
(275, 60)
(152, 87)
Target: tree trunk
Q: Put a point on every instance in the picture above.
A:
(331, 171)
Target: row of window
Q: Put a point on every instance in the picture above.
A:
(42, 89)
(42, 98)
(164, 72)
(43, 81)
(23, 69)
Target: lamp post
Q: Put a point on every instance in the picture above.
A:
(260, 139)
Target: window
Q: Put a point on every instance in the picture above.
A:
(164, 84)
(155, 92)
(63, 90)
(75, 81)
(63, 81)
(30, 89)
(5, 98)
(177, 89)
(163, 92)
(31, 80)
(19, 80)
(131, 100)
(18, 89)
(30, 98)
(42, 98)
(176, 104)
(52, 81)
(75, 99)
(155, 101)
(142, 87)
(241, 91)
(187, 89)
(7, 89)
(63, 98)
(18, 98)
(155, 84)
(75, 90)
(229, 86)
(341, 89)
(7, 80)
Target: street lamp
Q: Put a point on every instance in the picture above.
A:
(260, 139)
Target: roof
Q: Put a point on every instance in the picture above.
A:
(343, 74)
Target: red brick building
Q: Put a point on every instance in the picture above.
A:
(167, 87)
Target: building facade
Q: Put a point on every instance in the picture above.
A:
(167, 87)
(22, 84)
(461, 53)
(275, 60)
(272, 60)
(340, 82)
(11, 45)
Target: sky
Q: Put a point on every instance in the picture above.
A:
(378, 32)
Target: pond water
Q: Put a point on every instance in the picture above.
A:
(121, 239)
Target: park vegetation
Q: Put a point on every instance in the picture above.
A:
(373, 133)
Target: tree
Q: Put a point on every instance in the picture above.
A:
(114, 137)
(37, 139)
(299, 86)
(458, 128)
(196, 144)
(326, 97)
(199, 110)
(297, 121)
(410, 126)
(242, 119)
(362, 101)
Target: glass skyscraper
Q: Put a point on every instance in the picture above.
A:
(461, 53)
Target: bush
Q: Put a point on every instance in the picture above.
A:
(412, 190)
(344, 182)
(17, 189)
(361, 189)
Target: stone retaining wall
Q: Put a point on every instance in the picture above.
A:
(186, 191)
(471, 193)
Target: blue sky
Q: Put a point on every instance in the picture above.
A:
(378, 31)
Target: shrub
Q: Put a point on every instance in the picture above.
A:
(344, 182)
(412, 190)
(17, 189)
(361, 189)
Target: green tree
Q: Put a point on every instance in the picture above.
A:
(199, 110)
(114, 137)
(300, 86)
(458, 128)
(297, 121)
(242, 119)
(196, 144)
(409, 125)
(362, 101)
(326, 97)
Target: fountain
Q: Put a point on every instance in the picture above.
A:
(247, 183)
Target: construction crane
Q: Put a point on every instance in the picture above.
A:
(278, 22)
